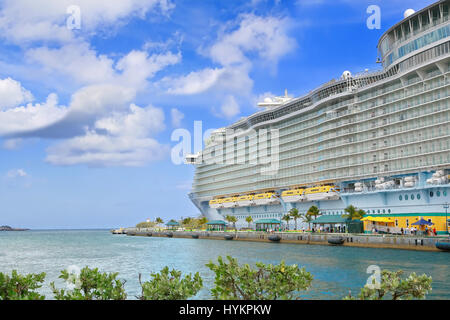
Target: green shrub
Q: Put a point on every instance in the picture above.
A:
(267, 282)
(91, 285)
(169, 285)
(19, 287)
(394, 288)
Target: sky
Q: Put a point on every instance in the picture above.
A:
(92, 91)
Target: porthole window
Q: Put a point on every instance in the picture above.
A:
(431, 193)
(412, 197)
(438, 193)
(384, 211)
(378, 210)
(389, 210)
(418, 196)
(400, 198)
(406, 197)
(444, 193)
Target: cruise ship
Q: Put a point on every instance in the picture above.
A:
(379, 141)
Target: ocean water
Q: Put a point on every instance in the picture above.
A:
(336, 270)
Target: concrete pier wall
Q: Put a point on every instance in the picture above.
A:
(355, 240)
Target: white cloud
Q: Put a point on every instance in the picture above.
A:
(101, 98)
(23, 21)
(84, 66)
(121, 139)
(265, 36)
(31, 117)
(11, 144)
(13, 94)
(177, 116)
(98, 150)
(137, 66)
(139, 122)
(248, 39)
(16, 173)
(229, 108)
(193, 83)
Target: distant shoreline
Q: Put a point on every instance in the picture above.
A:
(8, 228)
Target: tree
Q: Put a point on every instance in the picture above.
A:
(393, 287)
(352, 213)
(145, 225)
(313, 211)
(295, 215)
(286, 218)
(159, 221)
(249, 220)
(21, 287)
(202, 221)
(169, 285)
(266, 282)
(187, 222)
(90, 284)
(232, 219)
(307, 219)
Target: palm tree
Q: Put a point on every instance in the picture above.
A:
(159, 221)
(249, 220)
(286, 218)
(352, 213)
(295, 215)
(307, 219)
(232, 219)
(313, 211)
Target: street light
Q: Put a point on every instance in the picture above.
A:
(446, 218)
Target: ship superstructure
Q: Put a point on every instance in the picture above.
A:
(377, 140)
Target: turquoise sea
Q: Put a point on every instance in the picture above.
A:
(336, 270)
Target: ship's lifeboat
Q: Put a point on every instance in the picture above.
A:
(262, 199)
(245, 201)
(322, 193)
(294, 195)
(409, 182)
(215, 203)
(230, 202)
(359, 187)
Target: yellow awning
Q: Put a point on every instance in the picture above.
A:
(378, 219)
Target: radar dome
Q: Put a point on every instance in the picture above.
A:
(346, 75)
(408, 12)
(268, 100)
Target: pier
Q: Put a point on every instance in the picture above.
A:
(351, 240)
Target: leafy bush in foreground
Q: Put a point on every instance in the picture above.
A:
(169, 285)
(267, 282)
(393, 287)
(91, 285)
(232, 282)
(19, 287)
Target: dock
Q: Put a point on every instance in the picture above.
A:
(334, 239)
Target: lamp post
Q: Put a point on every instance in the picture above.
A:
(446, 218)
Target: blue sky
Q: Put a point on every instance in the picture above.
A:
(86, 115)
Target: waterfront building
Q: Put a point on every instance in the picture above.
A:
(377, 140)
